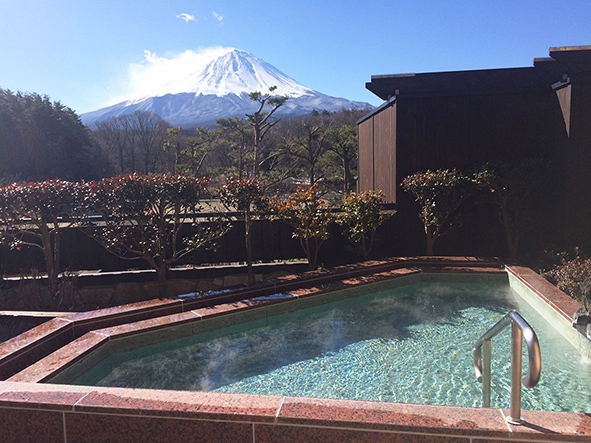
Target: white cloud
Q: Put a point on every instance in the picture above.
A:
(218, 17)
(186, 17)
(167, 75)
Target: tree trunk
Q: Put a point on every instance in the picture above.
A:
(51, 255)
(161, 271)
(510, 234)
(431, 237)
(257, 142)
(346, 176)
(364, 248)
(311, 249)
(248, 239)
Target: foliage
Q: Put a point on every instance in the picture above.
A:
(247, 196)
(34, 214)
(310, 217)
(511, 186)
(361, 216)
(572, 276)
(41, 139)
(441, 195)
(142, 217)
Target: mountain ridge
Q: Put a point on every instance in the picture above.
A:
(220, 89)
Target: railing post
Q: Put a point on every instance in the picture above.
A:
(516, 363)
(482, 363)
(486, 372)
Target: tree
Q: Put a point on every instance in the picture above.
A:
(441, 195)
(41, 139)
(305, 141)
(247, 196)
(309, 216)
(511, 186)
(134, 141)
(361, 216)
(189, 152)
(149, 131)
(237, 135)
(342, 143)
(321, 148)
(142, 217)
(262, 121)
(35, 214)
(111, 135)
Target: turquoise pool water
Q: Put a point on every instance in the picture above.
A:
(412, 344)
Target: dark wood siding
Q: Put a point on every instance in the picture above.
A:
(385, 178)
(365, 162)
(577, 163)
(466, 119)
(377, 153)
(467, 131)
(563, 95)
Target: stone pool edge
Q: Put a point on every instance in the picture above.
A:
(54, 412)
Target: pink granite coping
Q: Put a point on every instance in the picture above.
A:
(284, 416)
(566, 306)
(76, 413)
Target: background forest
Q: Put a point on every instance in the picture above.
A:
(42, 139)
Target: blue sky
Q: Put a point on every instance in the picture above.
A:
(87, 53)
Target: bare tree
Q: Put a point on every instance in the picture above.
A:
(112, 137)
(134, 141)
(148, 131)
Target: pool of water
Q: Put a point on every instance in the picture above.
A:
(412, 344)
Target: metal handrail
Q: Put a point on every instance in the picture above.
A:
(482, 365)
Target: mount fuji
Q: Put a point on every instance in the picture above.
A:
(220, 89)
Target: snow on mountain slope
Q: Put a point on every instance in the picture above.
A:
(219, 90)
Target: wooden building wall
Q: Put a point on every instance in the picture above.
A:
(377, 153)
(576, 159)
(466, 131)
(564, 99)
(463, 120)
(385, 143)
(365, 179)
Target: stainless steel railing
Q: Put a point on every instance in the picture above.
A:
(482, 364)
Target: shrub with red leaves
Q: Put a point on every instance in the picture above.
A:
(34, 214)
(142, 217)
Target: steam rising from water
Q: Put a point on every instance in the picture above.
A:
(412, 344)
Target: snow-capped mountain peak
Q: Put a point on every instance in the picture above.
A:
(218, 87)
(235, 72)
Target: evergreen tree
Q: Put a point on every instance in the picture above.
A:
(41, 139)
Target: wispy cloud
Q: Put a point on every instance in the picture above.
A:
(164, 75)
(218, 17)
(186, 17)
